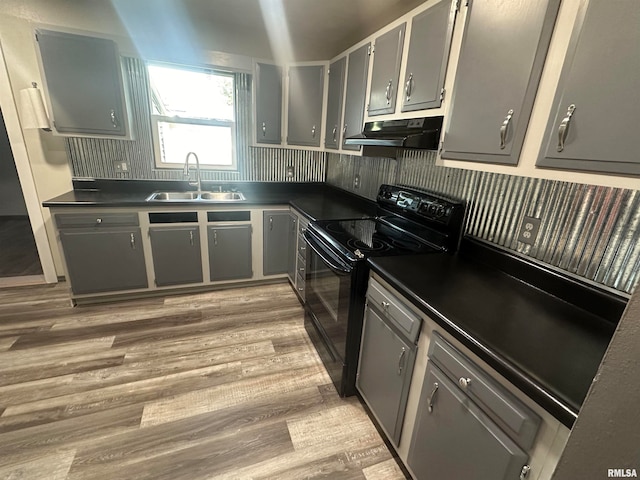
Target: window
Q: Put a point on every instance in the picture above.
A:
(193, 110)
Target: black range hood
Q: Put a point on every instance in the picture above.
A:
(423, 133)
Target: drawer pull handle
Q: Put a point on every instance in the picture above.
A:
(432, 397)
(191, 238)
(98, 221)
(303, 248)
(385, 305)
(215, 238)
(400, 365)
(114, 118)
(270, 223)
(335, 132)
(524, 473)
(264, 129)
(301, 269)
(388, 91)
(564, 127)
(464, 382)
(132, 240)
(503, 129)
(302, 230)
(408, 89)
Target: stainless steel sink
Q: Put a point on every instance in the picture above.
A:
(196, 196)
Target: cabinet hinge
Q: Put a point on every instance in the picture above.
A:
(457, 5)
(368, 107)
(369, 50)
(440, 148)
(468, 3)
(442, 92)
(37, 39)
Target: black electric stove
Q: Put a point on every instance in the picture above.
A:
(407, 222)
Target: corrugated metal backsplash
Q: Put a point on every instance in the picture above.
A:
(586, 230)
(96, 158)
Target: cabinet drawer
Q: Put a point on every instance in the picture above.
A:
(79, 220)
(300, 285)
(302, 225)
(404, 319)
(302, 247)
(513, 416)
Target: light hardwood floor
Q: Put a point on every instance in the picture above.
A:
(223, 384)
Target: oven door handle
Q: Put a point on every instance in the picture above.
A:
(329, 260)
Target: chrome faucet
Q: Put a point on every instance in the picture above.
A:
(198, 181)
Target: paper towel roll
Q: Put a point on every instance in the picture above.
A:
(34, 115)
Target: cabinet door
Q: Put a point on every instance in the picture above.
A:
(334, 103)
(176, 255)
(276, 240)
(456, 440)
(596, 112)
(292, 251)
(501, 59)
(84, 82)
(386, 363)
(357, 74)
(387, 54)
(429, 46)
(229, 252)
(268, 103)
(306, 88)
(104, 261)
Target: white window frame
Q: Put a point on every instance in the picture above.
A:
(155, 119)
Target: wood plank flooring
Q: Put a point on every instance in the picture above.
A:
(218, 385)
(18, 252)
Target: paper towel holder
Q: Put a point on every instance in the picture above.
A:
(34, 114)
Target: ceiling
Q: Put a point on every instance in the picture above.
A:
(317, 29)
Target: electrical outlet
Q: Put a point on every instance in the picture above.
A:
(290, 171)
(121, 166)
(529, 230)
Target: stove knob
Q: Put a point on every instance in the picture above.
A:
(387, 194)
(440, 211)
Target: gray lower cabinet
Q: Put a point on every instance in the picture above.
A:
(357, 74)
(84, 83)
(334, 104)
(176, 255)
(596, 111)
(104, 259)
(387, 54)
(429, 46)
(268, 89)
(306, 92)
(276, 242)
(229, 252)
(503, 50)
(454, 439)
(384, 373)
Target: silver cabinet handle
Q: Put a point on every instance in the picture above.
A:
(270, 223)
(504, 128)
(215, 238)
(302, 249)
(344, 131)
(264, 129)
(524, 473)
(335, 131)
(385, 305)
(313, 132)
(114, 119)
(302, 230)
(132, 240)
(409, 87)
(388, 91)
(432, 397)
(564, 126)
(98, 221)
(464, 382)
(301, 269)
(404, 350)
(191, 238)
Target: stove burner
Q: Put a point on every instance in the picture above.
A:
(375, 246)
(335, 228)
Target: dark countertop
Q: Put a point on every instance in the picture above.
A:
(317, 201)
(547, 347)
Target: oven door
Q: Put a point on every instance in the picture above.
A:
(328, 296)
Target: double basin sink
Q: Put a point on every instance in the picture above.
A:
(196, 197)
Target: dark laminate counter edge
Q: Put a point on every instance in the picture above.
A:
(546, 399)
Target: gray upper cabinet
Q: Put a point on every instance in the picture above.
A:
(387, 55)
(268, 83)
(596, 112)
(306, 92)
(84, 83)
(229, 252)
(176, 255)
(503, 50)
(357, 74)
(276, 242)
(334, 103)
(429, 46)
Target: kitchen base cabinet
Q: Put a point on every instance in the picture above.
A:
(297, 251)
(454, 439)
(176, 255)
(291, 251)
(276, 242)
(104, 260)
(229, 252)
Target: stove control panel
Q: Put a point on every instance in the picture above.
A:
(425, 205)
